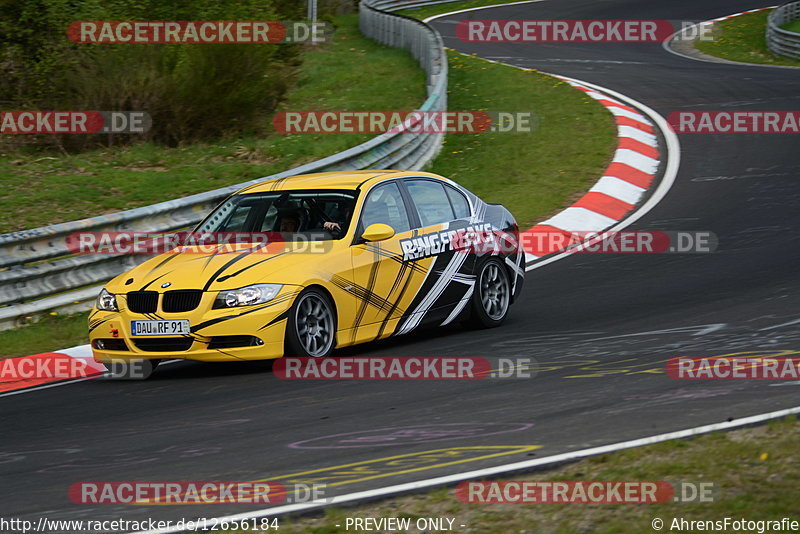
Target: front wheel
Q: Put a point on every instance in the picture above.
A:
(311, 328)
(491, 296)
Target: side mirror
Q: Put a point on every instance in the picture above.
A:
(377, 232)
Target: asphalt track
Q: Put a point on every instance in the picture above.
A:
(600, 326)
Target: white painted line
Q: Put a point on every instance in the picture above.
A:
(596, 95)
(434, 17)
(579, 220)
(620, 189)
(637, 134)
(790, 323)
(621, 112)
(43, 386)
(673, 155)
(81, 351)
(637, 160)
(496, 470)
(75, 350)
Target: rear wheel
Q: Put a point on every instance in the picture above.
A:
(311, 328)
(491, 296)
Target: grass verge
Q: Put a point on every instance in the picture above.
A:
(52, 332)
(742, 38)
(108, 180)
(533, 174)
(428, 11)
(793, 26)
(754, 471)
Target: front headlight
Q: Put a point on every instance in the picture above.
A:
(106, 301)
(247, 296)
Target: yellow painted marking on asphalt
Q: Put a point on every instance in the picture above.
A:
(372, 469)
(601, 369)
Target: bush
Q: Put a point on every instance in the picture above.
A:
(191, 91)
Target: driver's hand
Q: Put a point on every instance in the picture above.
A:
(332, 226)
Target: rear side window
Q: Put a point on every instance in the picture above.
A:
(431, 202)
(459, 203)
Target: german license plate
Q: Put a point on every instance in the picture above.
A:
(160, 328)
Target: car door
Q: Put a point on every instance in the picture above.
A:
(440, 213)
(384, 282)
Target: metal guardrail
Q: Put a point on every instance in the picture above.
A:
(779, 41)
(397, 5)
(39, 274)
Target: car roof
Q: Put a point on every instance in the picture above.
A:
(332, 180)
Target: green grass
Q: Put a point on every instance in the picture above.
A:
(756, 472)
(793, 26)
(533, 174)
(52, 332)
(428, 11)
(103, 181)
(743, 38)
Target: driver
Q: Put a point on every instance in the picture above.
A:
(332, 227)
(289, 223)
(339, 228)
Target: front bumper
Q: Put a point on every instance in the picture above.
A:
(229, 334)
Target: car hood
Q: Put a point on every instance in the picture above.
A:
(222, 268)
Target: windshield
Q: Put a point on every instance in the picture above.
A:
(307, 215)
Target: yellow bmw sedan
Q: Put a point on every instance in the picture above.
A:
(330, 260)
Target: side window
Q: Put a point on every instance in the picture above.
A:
(385, 205)
(269, 219)
(431, 201)
(237, 219)
(460, 204)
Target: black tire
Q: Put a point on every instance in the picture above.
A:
(311, 326)
(491, 297)
(131, 369)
